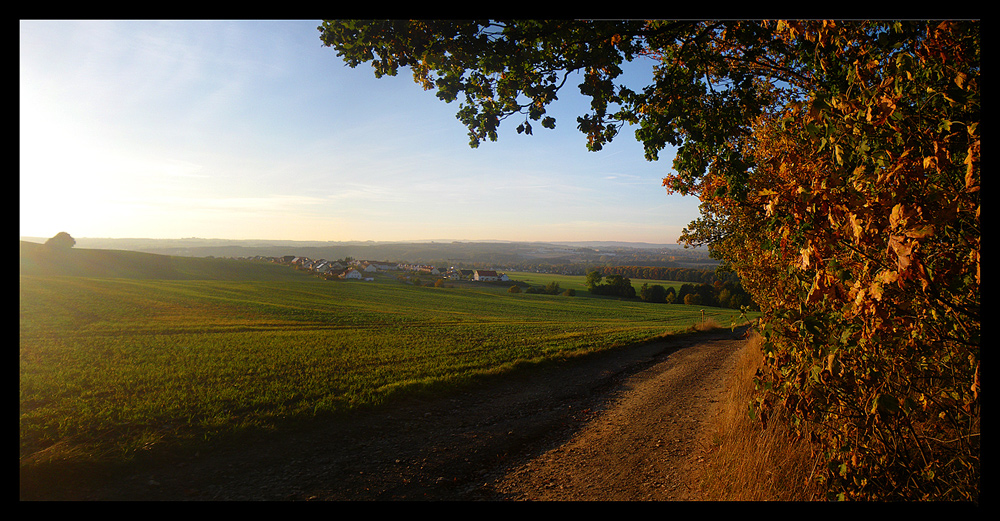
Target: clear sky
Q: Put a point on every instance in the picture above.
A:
(254, 130)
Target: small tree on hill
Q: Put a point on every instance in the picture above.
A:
(61, 240)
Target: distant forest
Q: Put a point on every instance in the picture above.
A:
(701, 276)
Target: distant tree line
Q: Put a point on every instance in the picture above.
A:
(667, 273)
(552, 288)
(724, 291)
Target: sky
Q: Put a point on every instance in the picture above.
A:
(254, 130)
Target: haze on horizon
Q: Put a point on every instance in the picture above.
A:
(253, 130)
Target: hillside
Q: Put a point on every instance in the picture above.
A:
(39, 260)
(509, 255)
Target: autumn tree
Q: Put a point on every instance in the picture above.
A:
(837, 164)
(858, 230)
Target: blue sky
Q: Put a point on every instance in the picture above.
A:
(254, 130)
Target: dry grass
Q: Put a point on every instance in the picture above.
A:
(749, 461)
(707, 324)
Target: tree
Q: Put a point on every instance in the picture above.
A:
(711, 78)
(707, 295)
(61, 240)
(686, 289)
(671, 295)
(654, 293)
(858, 233)
(593, 280)
(616, 285)
(838, 169)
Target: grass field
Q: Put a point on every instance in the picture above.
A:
(111, 365)
(579, 282)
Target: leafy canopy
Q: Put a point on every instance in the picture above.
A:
(838, 168)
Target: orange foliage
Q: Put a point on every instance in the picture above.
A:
(859, 237)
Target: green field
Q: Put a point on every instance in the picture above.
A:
(110, 365)
(579, 282)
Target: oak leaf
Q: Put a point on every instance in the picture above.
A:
(903, 251)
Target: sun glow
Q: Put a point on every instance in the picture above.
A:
(250, 130)
(69, 180)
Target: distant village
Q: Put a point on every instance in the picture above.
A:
(364, 270)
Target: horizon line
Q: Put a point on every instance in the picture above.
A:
(442, 240)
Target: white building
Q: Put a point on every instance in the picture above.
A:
(485, 276)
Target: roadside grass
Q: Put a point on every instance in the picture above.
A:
(112, 367)
(748, 461)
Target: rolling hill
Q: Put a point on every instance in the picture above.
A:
(40, 260)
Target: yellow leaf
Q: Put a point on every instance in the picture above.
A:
(770, 207)
(805, 258)
(856, 226)
(876, 291)
(860, 297)
(970, 179)
(900, 213)
(902, 249)
(920, 233)
(888, 277)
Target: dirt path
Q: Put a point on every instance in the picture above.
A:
(624, 425)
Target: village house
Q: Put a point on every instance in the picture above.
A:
(485, 276)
